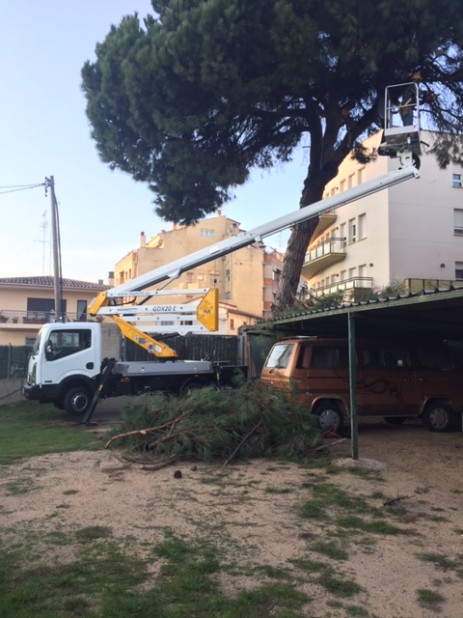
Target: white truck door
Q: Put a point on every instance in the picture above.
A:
(70, 350)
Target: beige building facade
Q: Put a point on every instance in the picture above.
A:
(28, 302)
(243, 278)
(409, 235)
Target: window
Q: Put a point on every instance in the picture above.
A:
(458, 222)
(370, 358)
(342, 232)
(232, 324)
(456, 181)
(395, 358)
(189, 277)
(303, 362)
(458, 270)
(350, 181)
(279, 356)
(352, 231)
(206, 233)
(63, 343)
(329, 357)
(41, 310)
(360, 175)
(361, 226)
(435, 358)
(81, 310)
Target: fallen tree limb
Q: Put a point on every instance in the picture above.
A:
(144, 432)
(327, 445)
(159, 466)
(242, 442)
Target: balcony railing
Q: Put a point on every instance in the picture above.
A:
(10, 317)
(322, 255)
(354, 283)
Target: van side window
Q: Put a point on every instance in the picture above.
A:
(370, 358)
(303, 362)
(329, 357)
(434, 358)
(395, 358)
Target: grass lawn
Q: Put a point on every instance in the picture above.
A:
(28, 429)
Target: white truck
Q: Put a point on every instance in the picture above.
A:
(67, 365)
(69, 361)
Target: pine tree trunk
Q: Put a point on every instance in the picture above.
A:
(292, 264)
(298, 243)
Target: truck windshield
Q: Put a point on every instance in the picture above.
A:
(36, 346)
(279, 356)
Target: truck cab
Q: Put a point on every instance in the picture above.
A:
(65, 365)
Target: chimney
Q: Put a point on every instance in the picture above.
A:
(111, 278)
(142, 239)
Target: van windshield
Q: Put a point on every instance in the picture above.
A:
(279, 356)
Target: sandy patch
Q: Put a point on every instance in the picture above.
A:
(251, 512)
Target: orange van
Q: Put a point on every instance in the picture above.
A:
(393, 380)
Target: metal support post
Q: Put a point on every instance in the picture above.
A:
(352, 384)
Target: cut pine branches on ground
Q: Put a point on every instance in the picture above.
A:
(220, 425)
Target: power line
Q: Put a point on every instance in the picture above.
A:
(14, 188)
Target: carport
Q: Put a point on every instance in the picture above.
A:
(433, 314)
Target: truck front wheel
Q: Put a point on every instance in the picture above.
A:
(77, 400)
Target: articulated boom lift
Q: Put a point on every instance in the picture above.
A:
(137, 320)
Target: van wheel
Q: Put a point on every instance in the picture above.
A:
(329, 416)
(77, 400)
(437, 416)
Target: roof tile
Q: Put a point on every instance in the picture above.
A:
(48, 281)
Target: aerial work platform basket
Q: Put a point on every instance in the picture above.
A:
(401, 120)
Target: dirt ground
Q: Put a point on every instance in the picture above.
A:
(251, 512)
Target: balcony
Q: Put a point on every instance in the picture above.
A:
(322, 255)
(11, 319)
(354, 285)
(325, 221)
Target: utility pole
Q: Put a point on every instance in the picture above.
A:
(50, 184)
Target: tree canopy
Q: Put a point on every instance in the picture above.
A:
(203, 91)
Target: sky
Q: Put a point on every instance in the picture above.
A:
(44, 132)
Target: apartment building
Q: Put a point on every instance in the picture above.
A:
(409, 235)
(246, 278)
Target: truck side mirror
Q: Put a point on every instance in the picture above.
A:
(49, 350)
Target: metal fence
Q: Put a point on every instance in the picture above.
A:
(250, 350)
(13, 361)
(194, 347)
